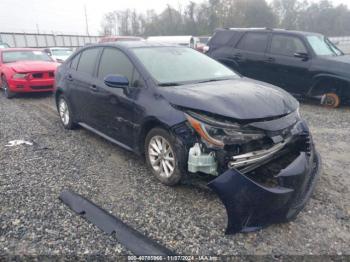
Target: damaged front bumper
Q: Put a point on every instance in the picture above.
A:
(252, 205)
(265, 183)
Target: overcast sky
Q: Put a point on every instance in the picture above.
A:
(67, 16)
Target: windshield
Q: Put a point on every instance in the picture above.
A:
(176, 65)
(322, 46)
(4, 45)
(62, 52)
(31, 55)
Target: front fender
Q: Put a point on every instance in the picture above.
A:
(319, 77)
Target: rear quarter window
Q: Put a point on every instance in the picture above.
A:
(221, 38)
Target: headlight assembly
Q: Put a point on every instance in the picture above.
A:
(220, 133)
(19, 76)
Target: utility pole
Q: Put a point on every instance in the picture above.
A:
(86, 21)
(37, 29)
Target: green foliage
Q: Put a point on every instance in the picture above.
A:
(203, 18)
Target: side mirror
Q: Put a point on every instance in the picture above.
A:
(303, 56)
(116, 81)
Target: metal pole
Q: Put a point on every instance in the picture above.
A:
(86, 21)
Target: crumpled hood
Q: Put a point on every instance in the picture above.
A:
(33, 66)
(241, 98)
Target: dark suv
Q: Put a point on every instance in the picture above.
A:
(306, 64)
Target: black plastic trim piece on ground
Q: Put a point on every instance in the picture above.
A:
(133, 240)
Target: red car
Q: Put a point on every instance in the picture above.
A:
(26, 70)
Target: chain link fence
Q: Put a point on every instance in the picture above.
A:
(46, 40)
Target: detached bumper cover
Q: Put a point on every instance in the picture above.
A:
(251, 206)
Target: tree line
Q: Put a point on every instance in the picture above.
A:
(203, 18)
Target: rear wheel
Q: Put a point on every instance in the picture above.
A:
(6, 89)
(65, 113)
(161, 156)
(331, 100)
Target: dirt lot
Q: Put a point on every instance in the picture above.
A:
(188, 219)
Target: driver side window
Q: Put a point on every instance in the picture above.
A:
(116, 62)
(286, 45)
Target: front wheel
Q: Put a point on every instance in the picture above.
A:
(5, 87)
(161, 156)
(331, 100)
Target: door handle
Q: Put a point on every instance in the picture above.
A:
(94, 88)
(270, 60)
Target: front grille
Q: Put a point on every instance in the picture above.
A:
(38, 75)
(41, 87)
(43, 75)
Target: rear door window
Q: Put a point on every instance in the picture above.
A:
(286, 45)
(88, 60)
(116, 62)
(254, 42)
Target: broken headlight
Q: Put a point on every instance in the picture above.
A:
(221, 132)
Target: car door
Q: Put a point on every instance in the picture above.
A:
(286, 70)
(116, 105)
(82, 87)
(249, 54)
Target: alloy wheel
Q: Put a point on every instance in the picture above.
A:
(64, 111)
(161, 156)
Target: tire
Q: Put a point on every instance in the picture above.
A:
(330, 100)
(65, 113)
(5, 87)
(161, 155)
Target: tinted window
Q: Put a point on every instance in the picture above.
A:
(255, 42)
(87, 60)
(114, 61)
(286, 45)
(75, 61)
(222, 37)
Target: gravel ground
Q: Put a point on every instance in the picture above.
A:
(188, 219)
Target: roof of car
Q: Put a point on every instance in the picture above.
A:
(279, 30)
(136, 44)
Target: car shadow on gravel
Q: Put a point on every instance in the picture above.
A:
(41, 95)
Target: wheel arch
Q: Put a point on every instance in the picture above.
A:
(147, 126)
(321, 85)
(58, 92)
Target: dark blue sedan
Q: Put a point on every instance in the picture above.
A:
(187, 113)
